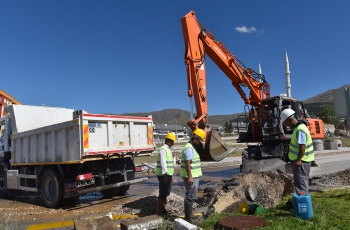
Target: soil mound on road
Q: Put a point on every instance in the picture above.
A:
(266, 187)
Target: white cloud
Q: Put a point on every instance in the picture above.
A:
(244, 29)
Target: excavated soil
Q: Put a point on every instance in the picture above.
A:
(266, 188)
(270, 188)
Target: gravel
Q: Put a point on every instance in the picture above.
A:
(338, 179)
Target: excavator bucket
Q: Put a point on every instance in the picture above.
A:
(214, 148)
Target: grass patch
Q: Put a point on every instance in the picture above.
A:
(331, 211)
(148, 159)
(345, 141)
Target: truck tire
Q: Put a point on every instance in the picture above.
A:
(111, 192)
(51, 188)
(127, 164)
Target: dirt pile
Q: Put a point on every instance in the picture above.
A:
(266, 188)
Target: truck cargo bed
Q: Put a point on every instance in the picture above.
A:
(86, 137)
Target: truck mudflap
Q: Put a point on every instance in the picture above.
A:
(214, 148)
(82, 191)
(268, 164)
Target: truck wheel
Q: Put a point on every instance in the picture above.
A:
(130, 176)
(127, 164)
(51, 188)
(113, 191)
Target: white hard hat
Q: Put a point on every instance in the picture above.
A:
(286, 113)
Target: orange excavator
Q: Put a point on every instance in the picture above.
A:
(267, 138)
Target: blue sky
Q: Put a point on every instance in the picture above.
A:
(128, 56)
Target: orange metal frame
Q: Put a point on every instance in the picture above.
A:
(198, 42)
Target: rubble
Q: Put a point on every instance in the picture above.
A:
(338, 179)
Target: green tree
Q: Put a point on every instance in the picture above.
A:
(228, 127)
(328, 115)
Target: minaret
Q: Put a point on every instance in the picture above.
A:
(259, 71)
(288, 85)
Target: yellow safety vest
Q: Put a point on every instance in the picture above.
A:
(169, 162)
(195, 163)
(294, 146)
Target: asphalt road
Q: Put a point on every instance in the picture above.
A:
(330, 163)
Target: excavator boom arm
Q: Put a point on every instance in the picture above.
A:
(198, 42)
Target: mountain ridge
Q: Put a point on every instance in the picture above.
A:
(178, 116)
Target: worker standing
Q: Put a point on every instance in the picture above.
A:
(301, 151)
(165, 172)
(191, 170)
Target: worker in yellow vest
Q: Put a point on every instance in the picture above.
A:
(165, 172)
(191, 170)
(301, 151)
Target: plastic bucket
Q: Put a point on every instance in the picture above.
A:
(302, 206)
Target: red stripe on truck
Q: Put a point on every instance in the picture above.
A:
(118, 151)
(118, 116)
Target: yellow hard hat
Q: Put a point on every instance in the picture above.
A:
(171, 136)
(200, 133)
(244, 208)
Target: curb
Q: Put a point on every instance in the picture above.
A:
(70, 223)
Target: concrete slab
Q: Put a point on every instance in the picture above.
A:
(84, 225)
(104, 223)
(147, 222)
(181, 224)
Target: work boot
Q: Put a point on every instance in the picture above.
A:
(160, 207)
(188, 213)
(289, 203)
(314, 164)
